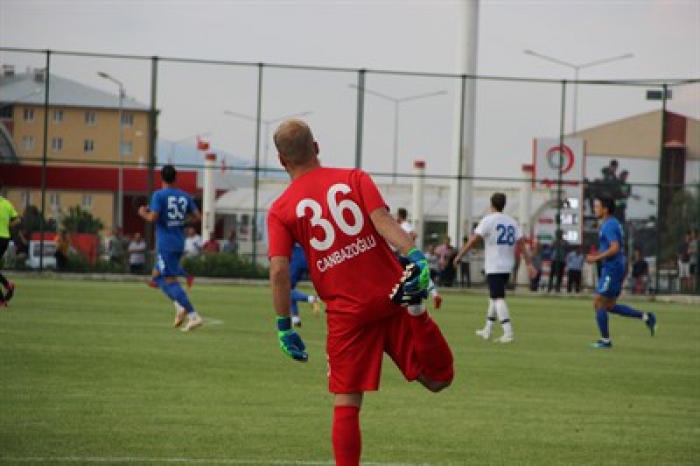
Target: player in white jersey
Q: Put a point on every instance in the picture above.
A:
(500, 234)
(402, 219)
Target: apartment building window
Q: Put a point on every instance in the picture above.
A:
(55, 200)
(57, 144)
(89, 146)
(87, 201)
(28, 114)
(127, 148)
(127, 119)
(28, 142)
(90, 118)
(58, 116)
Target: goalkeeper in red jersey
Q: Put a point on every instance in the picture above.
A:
(344, 226)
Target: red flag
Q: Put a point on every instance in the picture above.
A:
(202, 145)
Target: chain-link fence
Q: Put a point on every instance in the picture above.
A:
(83, 137)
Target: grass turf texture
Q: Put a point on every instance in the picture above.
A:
(92, 371)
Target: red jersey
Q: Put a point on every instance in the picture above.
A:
(327, 212)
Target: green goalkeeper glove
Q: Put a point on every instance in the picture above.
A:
(419, 282)
(290, 341)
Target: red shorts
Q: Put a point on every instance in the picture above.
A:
(355, 350)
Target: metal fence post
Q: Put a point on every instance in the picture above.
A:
(659, 212)
(256, 179)
(152, 138)
(44, 155)
(361, 75)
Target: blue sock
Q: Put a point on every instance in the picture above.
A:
(627, 311)
(296, 297)
(601, 316)
(176, 293)
(160, 281)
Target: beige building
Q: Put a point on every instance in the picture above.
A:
(83, 129)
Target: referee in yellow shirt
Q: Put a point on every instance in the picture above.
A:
(8, 218)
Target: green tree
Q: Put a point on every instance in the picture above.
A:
(79, 220)
(31, 220)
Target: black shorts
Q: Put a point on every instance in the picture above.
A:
(497, 284)
(4, 243)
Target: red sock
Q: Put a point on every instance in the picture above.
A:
(432, 349)
(347, 440)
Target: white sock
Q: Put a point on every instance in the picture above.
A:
(296, 319)
(433, 289)
(504, 317)
(312, 299)
(177, 306)
(490, 316)
(193, 316)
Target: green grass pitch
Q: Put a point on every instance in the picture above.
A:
(92, 372)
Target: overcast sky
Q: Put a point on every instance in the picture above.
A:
(664, 37)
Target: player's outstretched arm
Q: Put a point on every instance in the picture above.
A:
(290, 341)
(467, 247)
(147, 214)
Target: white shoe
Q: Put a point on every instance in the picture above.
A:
(485, 334)
(296, 321)
(505, 339)
(193, 323)
(179, 316)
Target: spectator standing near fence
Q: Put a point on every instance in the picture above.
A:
(115, 247)
(558, 257)
(137, 253)
(537, 259)
(640, 273)
(465, 273)
(193, 243)
(212, 245)
(684, 262)
(231, 243)
(62, 250)
(574, 269)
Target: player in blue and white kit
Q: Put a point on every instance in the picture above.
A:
(169, 209)
(612, 254)
(299, 268)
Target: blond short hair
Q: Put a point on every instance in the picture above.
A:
(294, 139)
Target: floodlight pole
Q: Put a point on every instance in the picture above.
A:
(397, 103)
(120, 200)
(267, 123)
(577, 69)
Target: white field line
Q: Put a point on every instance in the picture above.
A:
(131, 459)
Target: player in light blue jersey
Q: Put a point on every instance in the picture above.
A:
(169, 210)
(298, 268)
(612, 255)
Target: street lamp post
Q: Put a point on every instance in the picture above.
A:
(267, 123)
(397, 101)
(120, 199)
(577, 69)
